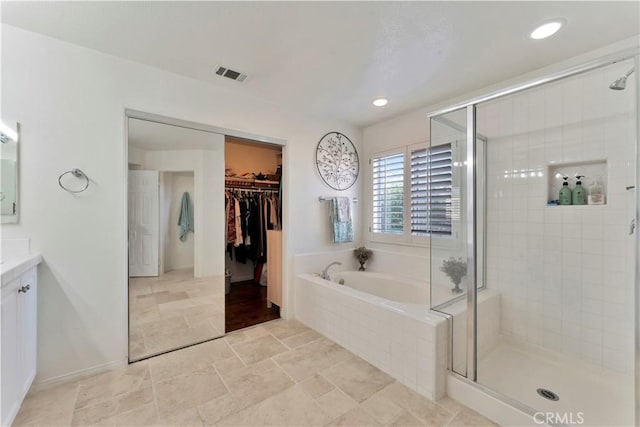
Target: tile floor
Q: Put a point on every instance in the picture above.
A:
(173, 310)
(280, 373)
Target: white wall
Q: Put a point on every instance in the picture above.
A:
(70, 102)
(179, 254)
(565, 272)
(207, 198)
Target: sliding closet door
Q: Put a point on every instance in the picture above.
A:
(184, 303)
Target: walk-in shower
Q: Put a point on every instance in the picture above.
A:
(561, 337)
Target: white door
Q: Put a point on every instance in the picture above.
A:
(144, 223)
(11, 381)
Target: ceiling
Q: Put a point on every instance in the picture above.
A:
(330, 59)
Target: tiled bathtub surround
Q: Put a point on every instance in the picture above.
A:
(411, 346)
(280, 373)
(565, 272)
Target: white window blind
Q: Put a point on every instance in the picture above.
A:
(431, 197)
(388, 194)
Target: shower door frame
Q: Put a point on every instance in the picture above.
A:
(472, 216)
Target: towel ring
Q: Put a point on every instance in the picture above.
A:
(78, 174)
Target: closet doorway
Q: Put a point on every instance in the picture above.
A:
(253, 237)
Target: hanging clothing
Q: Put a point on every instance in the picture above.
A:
(238, 224)
(185, 221)
(231, 220)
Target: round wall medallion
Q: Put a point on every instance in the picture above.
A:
(337, 161)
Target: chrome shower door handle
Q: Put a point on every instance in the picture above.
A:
(632, 226)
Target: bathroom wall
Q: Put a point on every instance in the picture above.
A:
(179, 254)
(208, 215)
(70, 102)
(565, 272)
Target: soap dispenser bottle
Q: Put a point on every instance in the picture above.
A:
(596, 193)
(565, 193)
(579, 194)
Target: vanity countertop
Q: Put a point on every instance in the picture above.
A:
(14, 267)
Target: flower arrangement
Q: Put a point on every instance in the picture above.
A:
(456, 269)
(363, 254)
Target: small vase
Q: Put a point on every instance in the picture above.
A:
(361, 265)
(457, 289)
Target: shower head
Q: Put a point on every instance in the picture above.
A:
(621, 83)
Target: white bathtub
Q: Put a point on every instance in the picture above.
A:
(384, 319)
(391, 288)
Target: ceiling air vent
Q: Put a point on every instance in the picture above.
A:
(230, 74)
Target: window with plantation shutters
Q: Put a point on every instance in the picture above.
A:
(431, 185)
(388, 194)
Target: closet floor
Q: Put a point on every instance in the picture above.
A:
(246, 305)
(280, 373)
(173, 310)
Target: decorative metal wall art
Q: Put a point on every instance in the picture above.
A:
(337, 161)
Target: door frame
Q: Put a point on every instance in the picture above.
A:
(157, 118)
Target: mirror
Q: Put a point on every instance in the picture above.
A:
(9, 136)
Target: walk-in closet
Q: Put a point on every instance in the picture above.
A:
(253, 232)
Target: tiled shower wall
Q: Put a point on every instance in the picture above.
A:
(565, 272)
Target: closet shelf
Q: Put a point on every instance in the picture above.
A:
(247, 183)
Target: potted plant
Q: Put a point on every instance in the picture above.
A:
(456, 269)
(363, 254)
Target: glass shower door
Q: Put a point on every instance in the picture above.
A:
(449, 221)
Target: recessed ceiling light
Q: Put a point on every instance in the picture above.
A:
(380, 102)
(547, 29)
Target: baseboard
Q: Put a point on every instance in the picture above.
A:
(76, 375)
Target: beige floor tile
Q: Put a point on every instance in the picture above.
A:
(407, 420)
(255, 350)
(186, 418)
(146, 415)
(174, 310)
(167, 296)
(112, 384)
(221, 407)
(94, 414)
(451, 405)
(310, 359)
(291, 407)
(256, 382)
(336, 403)
(356, 417)
(256, 332)
(467, 417)
(186, 391)
(419, 406)
(52, 406)
(357, 378)
(163, 326)
(236, 337)
(158, 343)
(383, 410)
(229, 365)
(316, 386)
(299, 340)
(189, 359)
(282, 328)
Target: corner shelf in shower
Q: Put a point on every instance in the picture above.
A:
(591, 170)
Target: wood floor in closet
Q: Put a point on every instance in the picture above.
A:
(246, 305)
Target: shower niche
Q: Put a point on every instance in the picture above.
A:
(592, 173)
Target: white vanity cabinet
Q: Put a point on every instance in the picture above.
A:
(19, 334)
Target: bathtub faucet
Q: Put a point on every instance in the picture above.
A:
(325, 272)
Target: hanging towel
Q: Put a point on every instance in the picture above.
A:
(342, 229)
(185, 221)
